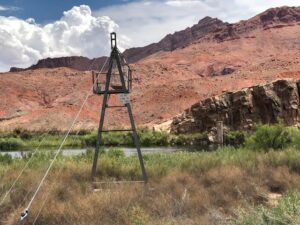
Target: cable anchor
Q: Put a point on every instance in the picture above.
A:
(24, 215)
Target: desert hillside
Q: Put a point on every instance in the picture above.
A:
(205, 60)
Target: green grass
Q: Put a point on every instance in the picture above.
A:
(161, 163)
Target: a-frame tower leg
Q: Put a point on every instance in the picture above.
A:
(102, 117)
(134, 136)
(99, 136)
(137, 142)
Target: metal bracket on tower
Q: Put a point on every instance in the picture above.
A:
(113, 39)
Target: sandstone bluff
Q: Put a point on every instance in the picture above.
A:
(243, 109)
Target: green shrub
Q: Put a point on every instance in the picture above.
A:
(6, 159)
(199, 139)
(11, 144)
(234, 138)
(90, 139)
(117, 139)
(24, 134)
(269, 137)
(153, 138)
(147, 138)
(294, 134)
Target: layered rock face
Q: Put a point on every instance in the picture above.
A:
(217, 30)
(243, 109)
(74, 62)
(178, 39)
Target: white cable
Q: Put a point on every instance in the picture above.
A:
(45, 200)
(60, 147)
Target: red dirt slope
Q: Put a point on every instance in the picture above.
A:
(165, 83)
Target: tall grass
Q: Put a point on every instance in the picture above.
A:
(286, 212)
(185, 187)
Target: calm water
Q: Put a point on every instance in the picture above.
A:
(73, 152)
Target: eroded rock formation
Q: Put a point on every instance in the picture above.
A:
(243, 109)
(74, 62)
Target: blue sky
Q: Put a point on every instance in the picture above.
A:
(34, 29)
(44, 11)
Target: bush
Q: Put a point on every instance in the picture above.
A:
(147, 138)
(294, 134)
(117, 139)
(269, 137)
(153, 138)
(23, 134)
(90, 139)
(10, 144)
(199, 139)
(6, 159)
(234, 138)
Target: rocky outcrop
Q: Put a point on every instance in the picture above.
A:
(243, 109)
(271, 18)
(74, 62)
(178, 39)
(280, 15)
(215, 29)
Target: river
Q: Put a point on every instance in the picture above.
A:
(74, 152)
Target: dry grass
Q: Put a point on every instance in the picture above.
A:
(179, 194)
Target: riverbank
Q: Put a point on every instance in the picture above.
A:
(28, 140)
(275, 136)
(185, 188)
(23, 139)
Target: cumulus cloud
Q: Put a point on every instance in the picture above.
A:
(78, 32)
(148, 21)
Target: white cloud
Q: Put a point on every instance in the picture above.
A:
(23, 42)
(8, 8)
(145, 22)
